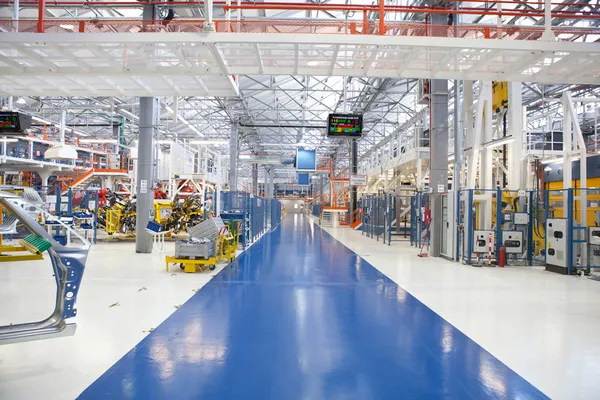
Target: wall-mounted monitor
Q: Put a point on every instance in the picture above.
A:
(306, 160)
(345, 125)
(14, 123)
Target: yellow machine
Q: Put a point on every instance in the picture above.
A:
(113, 219)
(162, 211)
(556, 200)
(7, 251)
(499, 96)
(510, 199)
(226, 247)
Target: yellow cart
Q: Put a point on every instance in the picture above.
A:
(226, 246)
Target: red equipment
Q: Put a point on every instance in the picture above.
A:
(502, 256)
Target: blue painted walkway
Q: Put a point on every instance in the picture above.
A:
(300, 316)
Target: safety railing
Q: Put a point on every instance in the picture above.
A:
(396, 218)
(358, 20)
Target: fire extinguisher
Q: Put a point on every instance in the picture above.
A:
(502, 256)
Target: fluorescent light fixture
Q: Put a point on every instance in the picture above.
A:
(558, 160)
(499, 142)
(553, 160)
(163, 141)
(68, 27)
(21, 100)
(548, 168)
(8, 140)
(43, 121)
(208, 142)
(299, 144)
(99, 141)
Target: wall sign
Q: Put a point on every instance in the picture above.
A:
(358, 180)
(143, 186)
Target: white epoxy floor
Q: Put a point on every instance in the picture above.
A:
(61, 368)
(542, 325)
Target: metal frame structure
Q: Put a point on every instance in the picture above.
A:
(275, 69)
(68, 264)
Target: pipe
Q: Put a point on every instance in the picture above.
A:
(63, 122)
(41, 15)
(16, 16)
(382, 17)
(82, 125)
(281, 126)
(138, 4)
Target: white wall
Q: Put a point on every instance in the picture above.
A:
(289, 206)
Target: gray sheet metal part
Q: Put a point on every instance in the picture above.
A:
(68, 264)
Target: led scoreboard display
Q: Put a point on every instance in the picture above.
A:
(345, 125)
(13, 123)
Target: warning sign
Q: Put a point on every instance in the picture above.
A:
(143, 186)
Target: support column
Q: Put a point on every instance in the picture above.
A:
(517, 175)
(438, 173)
(208, 16)
(255, 179)
(548, 34)
(145, 162)
(233, 157)
(321, 190)
(352, 204)
(438, 133)
(16, 8)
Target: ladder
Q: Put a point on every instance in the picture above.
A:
(326, 218)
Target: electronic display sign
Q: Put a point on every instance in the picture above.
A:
(344, 125)
(14, 123)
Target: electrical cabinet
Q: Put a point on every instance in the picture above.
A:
(556, 245)
(521, 219)
(513, 242)
(482, 240)
(594, 245)
(594, 238)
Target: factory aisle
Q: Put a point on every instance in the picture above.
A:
(300, 316)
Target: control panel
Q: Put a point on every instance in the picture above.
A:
(556, 245)
(513, 241)
(483, 240)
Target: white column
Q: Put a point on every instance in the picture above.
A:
(208, 16)
(567, 149)
(467, 110)
(16, 16)
(548, 34)
(517, 179)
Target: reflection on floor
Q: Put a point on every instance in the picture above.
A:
(300, 316)
(542, 325)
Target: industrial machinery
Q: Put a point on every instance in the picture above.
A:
(184, 214)
(594, 245)
(209, 242)
(513, 242)
(484, 243)
(557, 237)
(68, 265)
